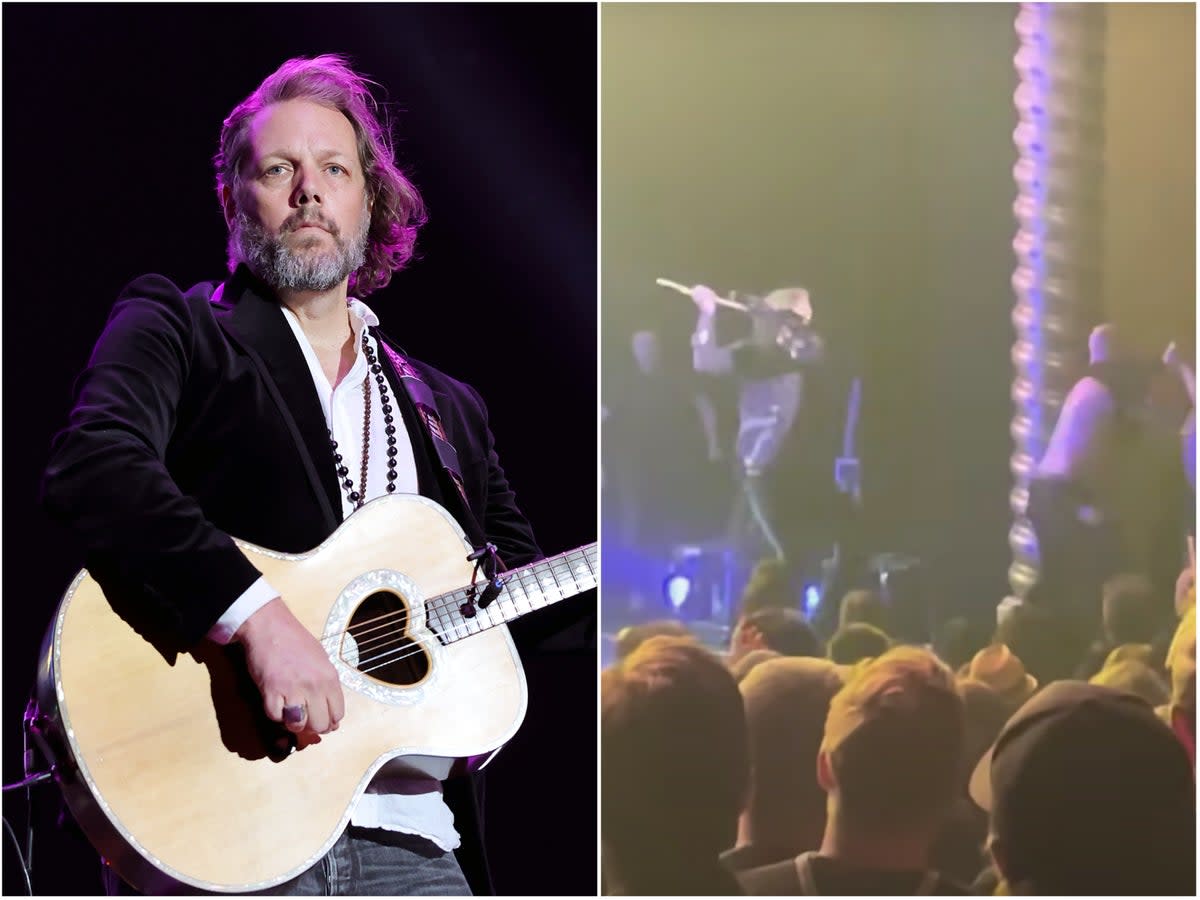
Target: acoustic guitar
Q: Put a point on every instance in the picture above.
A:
(173, 771)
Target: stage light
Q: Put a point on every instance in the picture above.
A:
(812, 599)
(676, 588)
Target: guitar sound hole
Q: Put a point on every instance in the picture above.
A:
(385, 651)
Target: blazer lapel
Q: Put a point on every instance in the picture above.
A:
(253, 318)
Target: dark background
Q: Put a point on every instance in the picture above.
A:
(112, 115)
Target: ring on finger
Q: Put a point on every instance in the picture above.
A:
(295, 714)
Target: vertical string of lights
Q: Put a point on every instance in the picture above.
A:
(1059, 137)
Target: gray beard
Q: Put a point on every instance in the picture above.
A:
(284, 268)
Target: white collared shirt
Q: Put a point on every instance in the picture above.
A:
(397, 803)
(343, 407)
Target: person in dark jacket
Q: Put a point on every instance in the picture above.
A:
(270, 407)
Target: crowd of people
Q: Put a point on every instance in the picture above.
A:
(1002, 763)
(1051, 751)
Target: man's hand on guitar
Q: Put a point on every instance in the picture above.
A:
(292, 670)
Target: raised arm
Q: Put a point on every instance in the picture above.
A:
(707, 356)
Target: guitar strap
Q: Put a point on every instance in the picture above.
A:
(422, 398)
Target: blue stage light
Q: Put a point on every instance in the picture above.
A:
(676, 588)
(812, 599)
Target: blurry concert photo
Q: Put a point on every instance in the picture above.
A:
(898, 449)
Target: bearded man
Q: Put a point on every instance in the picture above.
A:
(271, 407)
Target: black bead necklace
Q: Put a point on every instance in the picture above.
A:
(359, 497)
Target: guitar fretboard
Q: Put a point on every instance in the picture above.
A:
(526, 589)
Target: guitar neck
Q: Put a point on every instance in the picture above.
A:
(526, 590)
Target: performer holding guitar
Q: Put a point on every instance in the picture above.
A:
(270, 408)
(768, 365)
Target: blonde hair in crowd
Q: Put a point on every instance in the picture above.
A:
(674, 752)
(894, 737)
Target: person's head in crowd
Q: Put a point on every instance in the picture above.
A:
(1047, 647)
(769, 588)
(783, 630)
(1089, 793)
(787, 701)
(863, 605)
(742, 667)
(1128, 610)
(675, 756)
(1135, 678)
(1142, 653)
(1101, 655)
(857, 641)
(1002, 670)
(631, 637)
(891, 757)
(985, 713)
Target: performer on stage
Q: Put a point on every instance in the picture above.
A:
(271, 406)
(768, 364)
(1079, 544)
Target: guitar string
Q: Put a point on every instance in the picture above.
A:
(450, 603)
(449, 600)
(366, 665)
(452, 633)
(442, 604)
(452, 599)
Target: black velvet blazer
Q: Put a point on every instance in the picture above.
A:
(196, 420)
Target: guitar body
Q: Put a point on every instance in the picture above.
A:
(173, 771)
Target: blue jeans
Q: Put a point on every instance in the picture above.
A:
(367, 862)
